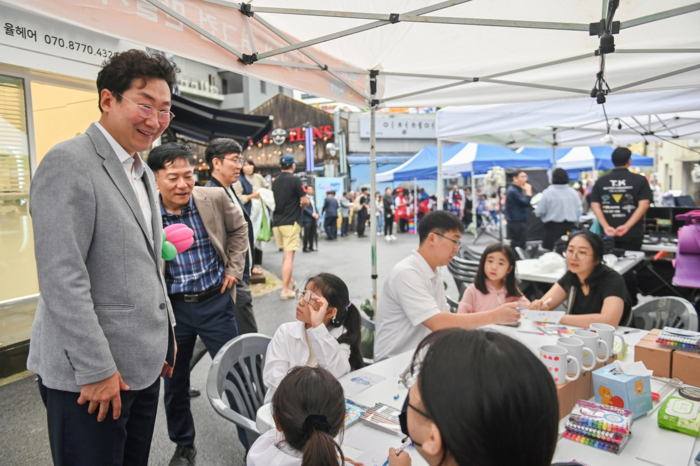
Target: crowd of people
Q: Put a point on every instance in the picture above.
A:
(113, 317)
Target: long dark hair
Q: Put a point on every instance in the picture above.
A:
(512, 289)
(482, 420)
(336, 293)
(309, 406)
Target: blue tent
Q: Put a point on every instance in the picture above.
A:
(422, 166)
(480, 158)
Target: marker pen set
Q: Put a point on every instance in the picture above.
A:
(599, 426)
(683, 340)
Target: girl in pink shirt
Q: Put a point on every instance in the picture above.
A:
(495, 282)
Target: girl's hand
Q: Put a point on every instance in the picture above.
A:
(538, 305)
(507, 313)
(318, 310)
(354, 463)
(403, 459)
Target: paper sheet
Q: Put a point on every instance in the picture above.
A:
(666, 448)
(542, 316)
(359, 383)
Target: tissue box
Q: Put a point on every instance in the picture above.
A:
(686, 366)
(631, 392)
(654, 356)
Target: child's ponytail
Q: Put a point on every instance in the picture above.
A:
(321, 448)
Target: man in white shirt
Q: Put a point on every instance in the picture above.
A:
(413, 300)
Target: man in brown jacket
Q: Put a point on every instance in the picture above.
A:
(201, 280)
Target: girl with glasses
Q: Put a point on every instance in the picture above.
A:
(327, 333)
(594, 292)
(494, 405)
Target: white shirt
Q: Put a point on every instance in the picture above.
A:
(134, 168)
(412, 294)
(271, 449)
(289, 348)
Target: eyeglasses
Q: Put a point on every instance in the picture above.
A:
(456, 243)
(306, 295)
(146, 111)
(580, 255)
(236, 161)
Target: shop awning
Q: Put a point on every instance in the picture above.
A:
(204, 123)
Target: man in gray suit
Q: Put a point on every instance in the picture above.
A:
(102, 335)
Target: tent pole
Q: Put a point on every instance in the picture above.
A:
(415, 206)
(439, 175)
(474, 199)
(554, 148)
(373, 182)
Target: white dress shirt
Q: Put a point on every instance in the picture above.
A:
(134, 168)
(289, 348)
(271, 449)
(412, 294)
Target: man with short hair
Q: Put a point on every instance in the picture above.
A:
(290, 200)
(345, 206)
(518, 208)
(330, 212)
(223, 155)
(619, 200)
(309, 218)
(102, 335)
(362, 214)
(199, 280)
(413, 303)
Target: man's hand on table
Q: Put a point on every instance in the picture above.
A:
(103, 393)
(507, 313)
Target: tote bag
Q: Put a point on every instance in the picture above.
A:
(265, 231)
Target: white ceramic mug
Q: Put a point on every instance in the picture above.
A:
(596, 343)
(577, 349)
(557, 359)
(607, 333)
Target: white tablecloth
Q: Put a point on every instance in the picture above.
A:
(644, 430)
(528, 269)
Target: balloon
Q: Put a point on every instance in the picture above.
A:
(169, 251)
(180, 235)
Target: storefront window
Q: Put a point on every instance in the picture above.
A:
(18, 276)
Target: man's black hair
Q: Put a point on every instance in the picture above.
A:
(512, 174)
(438, 222)
(165, 154)
(133, 68)
(621, 156)
(559, 176)
(219, 148)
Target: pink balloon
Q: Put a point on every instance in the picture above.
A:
(180, 235)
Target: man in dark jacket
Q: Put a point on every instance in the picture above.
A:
(518, 208)
(330, 212)
(309, 216)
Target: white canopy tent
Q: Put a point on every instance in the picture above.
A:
(416, 52)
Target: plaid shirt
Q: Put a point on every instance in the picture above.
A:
(200, 267)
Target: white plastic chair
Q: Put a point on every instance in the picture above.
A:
(667, 311)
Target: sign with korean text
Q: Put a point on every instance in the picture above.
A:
(400, 127)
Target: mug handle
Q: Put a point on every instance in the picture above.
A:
(578, 368)
(592, 366)
(607, 351)
(622, 340)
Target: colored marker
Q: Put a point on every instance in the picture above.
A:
(402, 447)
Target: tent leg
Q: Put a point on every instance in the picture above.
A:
(439, 175)
(372, 203)
(554, 148)
(474, 199)
(415, 206)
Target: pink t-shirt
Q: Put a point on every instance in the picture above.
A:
(476, 301)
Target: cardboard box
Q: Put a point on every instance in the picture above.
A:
(655, 357)
(584, 386)
(631, 392)
(686, 366)
(566, 393)
(655, 331)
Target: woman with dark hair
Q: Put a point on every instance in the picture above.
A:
(327, 333)
(459, 411)
(309, 412)
(559, 208)
(595, 293)
(495, 283)
(247, 186)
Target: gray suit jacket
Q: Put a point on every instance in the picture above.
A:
(103, 304)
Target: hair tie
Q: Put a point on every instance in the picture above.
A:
(349, 304)
(314, 422)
